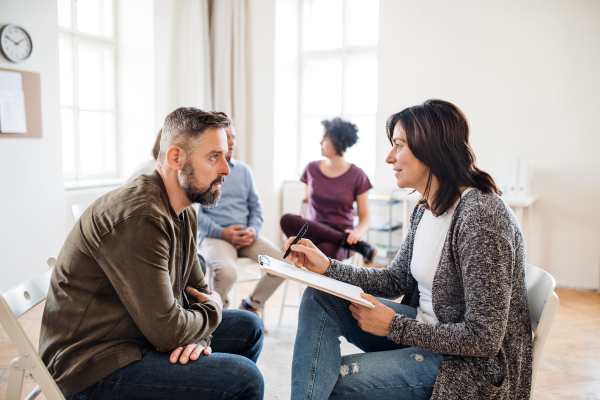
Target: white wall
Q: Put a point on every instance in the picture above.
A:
(31, 195)
(526, 74)
(135, 63)
(261, 155)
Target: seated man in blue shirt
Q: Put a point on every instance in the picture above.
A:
(230, 230)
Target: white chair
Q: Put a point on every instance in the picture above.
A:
(244, 275)
(13, 304)
(543, 305)
(301, 288)
(78, 209)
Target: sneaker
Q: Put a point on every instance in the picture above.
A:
(246, 306)
(363, 248)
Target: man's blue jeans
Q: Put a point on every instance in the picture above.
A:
(386, 370)
(230, 372)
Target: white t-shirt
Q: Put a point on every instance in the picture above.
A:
(427, 252)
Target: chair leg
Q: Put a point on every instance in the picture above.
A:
(34, 393)
(16, 373)
(233, 303)
(285, 288)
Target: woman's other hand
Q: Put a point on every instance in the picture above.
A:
(354, 236)
(306, 254)
(373, 320)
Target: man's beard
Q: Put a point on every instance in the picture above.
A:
(203, 196)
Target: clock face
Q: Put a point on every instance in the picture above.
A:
(15, 43)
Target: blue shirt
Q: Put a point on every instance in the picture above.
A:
(239, 204)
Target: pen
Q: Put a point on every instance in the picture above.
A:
(298, 237)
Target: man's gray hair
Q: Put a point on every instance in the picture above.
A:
(185, 126)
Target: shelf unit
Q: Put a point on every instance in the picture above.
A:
(396, 198)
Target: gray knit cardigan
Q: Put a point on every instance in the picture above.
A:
(479, 298)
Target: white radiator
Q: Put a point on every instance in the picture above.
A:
(292, 195)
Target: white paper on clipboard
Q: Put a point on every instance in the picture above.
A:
(312, 279)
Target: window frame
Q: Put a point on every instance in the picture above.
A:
(76, 38)
(343, 53)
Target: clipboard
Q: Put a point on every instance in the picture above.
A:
(314, 280)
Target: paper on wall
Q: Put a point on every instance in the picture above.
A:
(12, 103)
(11, 80)
(12, 111)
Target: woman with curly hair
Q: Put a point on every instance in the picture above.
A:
(462, 329)
(332, 187)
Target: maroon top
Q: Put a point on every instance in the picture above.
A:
(330, 200)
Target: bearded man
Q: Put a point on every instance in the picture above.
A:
(128, 313)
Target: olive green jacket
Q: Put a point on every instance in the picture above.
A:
(117, 286)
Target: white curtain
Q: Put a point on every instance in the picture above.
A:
(209, 59)
(191, 54)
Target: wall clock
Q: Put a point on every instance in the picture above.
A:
(15, 43)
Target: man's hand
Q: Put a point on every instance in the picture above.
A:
(202, 297)
(193, 351)
(373, 320)
(233, 234)
(190, 352)
(248, 236)
(239, 237)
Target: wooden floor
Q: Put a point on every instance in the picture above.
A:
(570, 368)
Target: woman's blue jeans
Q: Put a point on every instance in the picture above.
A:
(386, 370)
(230, 372)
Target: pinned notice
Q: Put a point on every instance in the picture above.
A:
(12, 103)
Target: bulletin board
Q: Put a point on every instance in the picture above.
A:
(33, 105)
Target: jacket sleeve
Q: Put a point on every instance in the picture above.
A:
(255, 209)
(198, 282)
(134, 256)
(486, 265)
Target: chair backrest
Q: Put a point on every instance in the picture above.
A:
(29, 293)
(78, 209)
(13, 304)
(543, 305)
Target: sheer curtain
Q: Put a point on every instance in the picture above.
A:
(228, 49)
(209, 59)
(191, 54)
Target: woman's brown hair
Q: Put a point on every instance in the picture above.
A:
(437, 133)
(156, 147)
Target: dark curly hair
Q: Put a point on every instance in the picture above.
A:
(343, 134)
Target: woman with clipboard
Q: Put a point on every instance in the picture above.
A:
(462, 329)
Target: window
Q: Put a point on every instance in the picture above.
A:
(87, 48)
(338, 74)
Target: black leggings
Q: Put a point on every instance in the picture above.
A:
(327, 239)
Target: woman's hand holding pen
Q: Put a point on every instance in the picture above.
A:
(306, 254)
